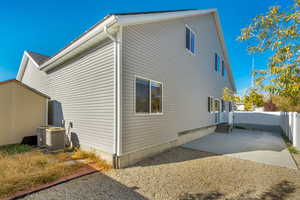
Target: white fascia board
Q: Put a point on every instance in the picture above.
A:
(80, 44)
(147, 18)
(223, 44)
(23, 65)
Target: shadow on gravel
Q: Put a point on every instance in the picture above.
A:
(174, 155)
(94, 186)
(279, 191)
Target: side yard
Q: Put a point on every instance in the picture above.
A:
(184, 174)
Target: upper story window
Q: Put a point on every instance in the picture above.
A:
(223, 68)
(218, 64)
(190, 39)
(148, 96)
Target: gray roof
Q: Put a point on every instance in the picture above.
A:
(38, 58)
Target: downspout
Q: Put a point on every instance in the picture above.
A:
(116, 142)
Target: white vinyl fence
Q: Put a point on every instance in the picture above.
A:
(287, 122)
(290, 124)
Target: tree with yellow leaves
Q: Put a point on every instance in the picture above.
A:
(277, 33)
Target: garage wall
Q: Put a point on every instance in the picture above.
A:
(21, 112)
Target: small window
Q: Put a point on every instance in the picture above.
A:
(223, 105)
(217, 105)
(210, 104)
(223, 68)
(230, 106)
(190, 39)
(216, 62)
(148, 96)
(142, 95)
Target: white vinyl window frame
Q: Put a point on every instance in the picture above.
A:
(195, 38)
(150, 98)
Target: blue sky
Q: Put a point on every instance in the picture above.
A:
(46, 27)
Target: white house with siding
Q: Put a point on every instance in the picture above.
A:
(136, 84)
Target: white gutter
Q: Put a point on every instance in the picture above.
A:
(117, 83)
(108, 34)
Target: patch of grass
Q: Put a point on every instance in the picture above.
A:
(79, 154)
(239, 127)
(21, 171)
(92, 159)
(63, 156)
(15, 148)
(293, 149)
(289, 145)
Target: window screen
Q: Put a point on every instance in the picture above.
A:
(216, 62)
(190, 39)
(223, 68)
(142, 95)
(187, 38)
(156, 97)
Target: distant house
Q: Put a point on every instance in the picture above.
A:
(136, 84)
(240, 106)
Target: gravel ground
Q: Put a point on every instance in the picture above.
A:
(184, 174)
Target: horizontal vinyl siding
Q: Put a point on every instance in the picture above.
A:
(85, 89)
(35, 78)
(157, 51)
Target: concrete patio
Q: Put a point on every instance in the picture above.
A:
(260, 146)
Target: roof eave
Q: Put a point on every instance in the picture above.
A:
(119, 20)
(22, 68)
(125, 20)
(225, 51)
(84, 40)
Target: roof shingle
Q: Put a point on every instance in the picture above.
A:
(38, 58)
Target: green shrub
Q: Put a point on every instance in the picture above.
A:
(15, 148)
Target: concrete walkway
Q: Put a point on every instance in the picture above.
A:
(259, 146)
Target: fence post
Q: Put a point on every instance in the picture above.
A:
(290, 126)
(296, 137)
